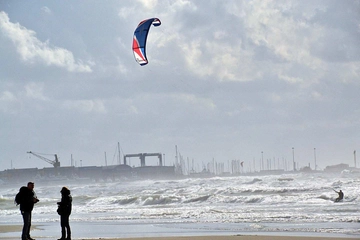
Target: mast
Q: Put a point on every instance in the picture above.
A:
(294, 166)
(355, 157)
(176, 155)
(119, 153)
(315, 157)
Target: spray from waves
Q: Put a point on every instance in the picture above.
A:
(158, 200)
(324, 197)
(189, 193)
(143, 200)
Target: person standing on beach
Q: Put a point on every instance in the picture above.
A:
(64, 210)
(27, 201)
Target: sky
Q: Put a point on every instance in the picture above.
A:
(226, 80)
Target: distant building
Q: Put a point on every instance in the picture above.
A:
(336, 168)
(306, 169)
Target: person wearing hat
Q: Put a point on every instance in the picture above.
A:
(27, 200)
(64, 210)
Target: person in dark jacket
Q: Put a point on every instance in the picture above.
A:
(64, 210)
(28, 199)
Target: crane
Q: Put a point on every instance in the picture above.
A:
(55, 162)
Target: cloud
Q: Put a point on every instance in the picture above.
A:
(182, 5)
(290, 79)
(7, 96)
(86, 106)
(33, 50)
(8, 102)
(193, 56)
(46, 10)
(149, 4)
(126, 12)
(268, 23)
(351, 72)
(198, 102)
(12, 102)
(35, 91)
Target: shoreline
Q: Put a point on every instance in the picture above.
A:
(13, 231)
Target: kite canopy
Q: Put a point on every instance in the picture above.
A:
(139, 39)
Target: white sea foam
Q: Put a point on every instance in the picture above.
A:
(259, 201)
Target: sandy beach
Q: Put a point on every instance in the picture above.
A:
(17, 228)
(240, 237)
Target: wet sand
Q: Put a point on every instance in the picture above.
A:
(238, 237)
(18, 228)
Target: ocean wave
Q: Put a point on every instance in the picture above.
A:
(198, 199)
(255, 200)
(6, 199)
(126, 201)
(255, 180)
(157, 200)
(305, 199)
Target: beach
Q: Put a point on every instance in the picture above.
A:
(50, 232)
(247, 237)
(240, 237)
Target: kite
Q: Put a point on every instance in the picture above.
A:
(139, 39)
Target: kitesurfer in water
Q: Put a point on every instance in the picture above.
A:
(341, 196)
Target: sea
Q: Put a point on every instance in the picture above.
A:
(296, 204)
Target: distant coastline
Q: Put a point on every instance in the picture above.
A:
(128, 173)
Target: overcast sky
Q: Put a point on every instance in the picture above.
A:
(226, 80)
